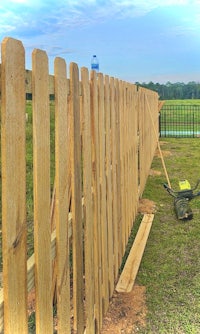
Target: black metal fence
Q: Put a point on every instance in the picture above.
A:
(179, 121)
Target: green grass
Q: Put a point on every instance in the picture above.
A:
(170, 268)
(183, 102)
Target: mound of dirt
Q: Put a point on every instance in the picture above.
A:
(127, 312)
(154, 172)
(164, 153)
(146, 206)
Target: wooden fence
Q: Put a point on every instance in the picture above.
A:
(104, 144)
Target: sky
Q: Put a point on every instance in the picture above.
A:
(134, 40)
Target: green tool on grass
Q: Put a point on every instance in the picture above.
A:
(182, 198)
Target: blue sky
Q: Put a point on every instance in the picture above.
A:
(134, 40)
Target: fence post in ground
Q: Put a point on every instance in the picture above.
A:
(14, 187)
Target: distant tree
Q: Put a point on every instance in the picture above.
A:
(173, 91)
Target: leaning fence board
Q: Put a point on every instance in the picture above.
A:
(14, 187)
(41, 169)
(128, 275)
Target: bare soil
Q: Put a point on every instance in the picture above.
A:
(127, 312)
(164, 153)
(146, 206)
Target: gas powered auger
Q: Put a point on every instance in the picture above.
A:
(182, 198)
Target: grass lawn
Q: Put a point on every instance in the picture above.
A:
(183, 102)
(170, 268)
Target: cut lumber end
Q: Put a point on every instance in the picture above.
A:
(129, 273)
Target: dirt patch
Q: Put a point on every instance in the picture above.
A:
(127, 312)
(163, 142)
(146, 206)
(153, 172)
(164, 153)
(31, 301)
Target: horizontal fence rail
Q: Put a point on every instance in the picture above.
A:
(180, 121)
(73, 169)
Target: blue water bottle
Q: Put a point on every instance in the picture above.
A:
(95, 63)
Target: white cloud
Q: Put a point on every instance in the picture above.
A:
(48, 16)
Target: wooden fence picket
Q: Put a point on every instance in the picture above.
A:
(122, 166)
(76, 170)
(62, 200)
(41, 169)
(102, 177)
(114, 178)
(88, 207)
(118, 175)
(109, 185)
(14, 187)
(96, 200)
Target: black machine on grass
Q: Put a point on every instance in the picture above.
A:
(182, 198)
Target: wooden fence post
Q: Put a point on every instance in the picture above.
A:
(14, 187)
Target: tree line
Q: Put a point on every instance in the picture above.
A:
(174, 91)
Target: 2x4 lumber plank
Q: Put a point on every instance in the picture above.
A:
(41, 172)
(14, 187)
(129, 273)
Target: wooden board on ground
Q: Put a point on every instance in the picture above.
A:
(129, 273)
